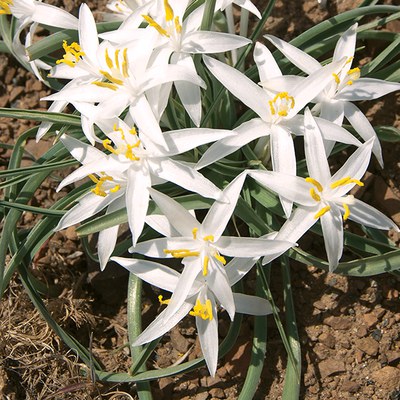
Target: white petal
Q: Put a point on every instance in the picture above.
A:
(179, 217)
(137, 199)
(156, 247)
(332, 111)
(366, 215)
(252, 305)
(56, 106)
(81, 151)
(50, 15)
(266, 64)
(220, 213)
(106, 244)
(367, 89)
(240, 86)
(314, 148)
(161, 224)
(346, 45)
(88, 39)
(332, 229)
(364, 128)
(296, 56)
(245, 133)
(292, 187)
(200, 42)
(238, 267)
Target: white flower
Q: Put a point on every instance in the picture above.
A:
(278, 114)
(200, 302)
(324, 197)
(335, 102)
(123, 177)
(246, 4)
(202, 246)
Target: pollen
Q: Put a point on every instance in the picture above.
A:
(156, 26)
(5, 6)
(346, 211)
(205, 265)
(169, 12)
(194, 233)
(208, 238)
(182, 253)
(337, 79)
(73, 54)
(281, 104)
(99, 190)
(353, 75)
(315, 183)
(204, 311)
(160, 299)
(345, 181)
(322, 211)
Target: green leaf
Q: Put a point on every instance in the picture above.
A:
(43, 116)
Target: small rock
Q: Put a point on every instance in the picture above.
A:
(327, 339)
(376, 334)
(70, 233)
(379, 312)
(359, 356)
(217, 392)
(392, 356)
(368, 345)
(330, 367)
(340, 323)
(370, 320)
(361, 331)
(351, 387)
(387, 378)
(179, 342)
(201, 396)
(15, 92)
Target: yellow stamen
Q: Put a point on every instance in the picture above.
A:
(178, 26)
(205, 265)
(108, 60)
(194, 233)
(111, 78)
(98, 190)
(133, 131)
(209, 238)
(321, 212)
(315, 183)
(105, 85)
(125, 63)
(204, 311)
(5, 6)
(160, 299)
(73, 54)
(314, 195)
(129, 153)
(337, 79)
(182, 253)
(346, 211)
(169, 12)
(93, 178)
(345, 181)
(220, 258)
(281, 104)
(349, 60)
(107, 146)
(353, 74)
(116, 58)
(155, 25)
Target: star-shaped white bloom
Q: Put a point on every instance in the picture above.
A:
(324, 197)
(346, 86)
(202, 246)
(200, 302)
(124, 176)
(278, 114)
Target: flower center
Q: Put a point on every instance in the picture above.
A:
(351, 75)
(5, 6)
(126, 149)
(172, 22)
(73, 54)
(204, 311)
(99, 189)
(118, 70)
(281, 104)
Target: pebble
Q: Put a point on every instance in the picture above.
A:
(327, 339)
(179, 342)
(387, 378)
(368, 345)
(361, 331)
(331, 366)
(339, 323)
(217, 392)
(370, 320)
(351, 387)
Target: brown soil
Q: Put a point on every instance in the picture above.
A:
(349, 327)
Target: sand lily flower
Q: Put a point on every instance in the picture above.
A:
(133, 165)
(346, 86)
(123, 9)
(202, 247)
(324, 197)
(277, 114)
(201, 302)
(246, 4)
(175, 41)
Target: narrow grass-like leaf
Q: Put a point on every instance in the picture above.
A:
(42, 116)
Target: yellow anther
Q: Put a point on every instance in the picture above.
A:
(93, 178)
(281, 104)
(337, 79)
(205, 265)
(194, 233)
(115, 188)
(98, 190)
(5, 6)
(125, 64)
(321, 212)
(349, 60)
(204, 311)
(108, 76)
(346, 211)
(353, 74)
(105, 85)
(169, 12)
(107, 146)
(160, 299)
(73, 54)
(315, 183)
(345, 181)
(129, 152)
(178, 26)
(209, 238)
(220, 258)
(108, 60)
(182, 253)
(155, 25)
(116, 58)
(314, 195)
